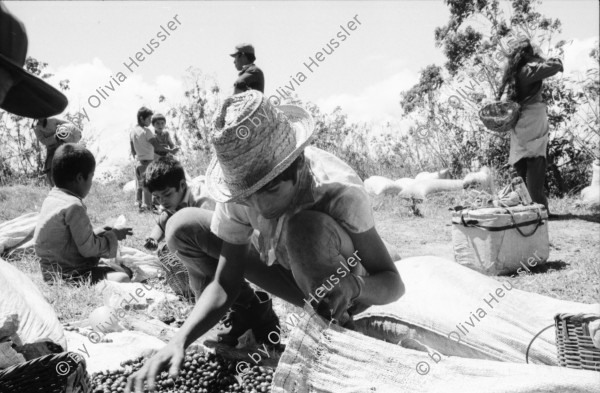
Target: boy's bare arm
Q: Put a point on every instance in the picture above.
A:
(382, 286)
(210, 307)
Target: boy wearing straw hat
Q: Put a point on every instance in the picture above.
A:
(292, 219)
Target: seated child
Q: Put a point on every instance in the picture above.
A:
(162, 137)
(165, 178)
(65, 241)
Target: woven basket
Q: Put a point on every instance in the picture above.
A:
(500, 116)
(574, 343)
(56, 373)
(177, 275)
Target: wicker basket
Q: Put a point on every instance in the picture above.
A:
(177, 275)
(55, 373)
(500, 116)
(574, 342)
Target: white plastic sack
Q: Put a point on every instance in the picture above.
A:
(198, 188)
(459, 312)
(420, 189)
(37, 321)
(101, 356)
(129, 187)
(143, 265)
(17, 231)
(130, 295)
(483, 179)
(441, 174)
(377, 185)
(324, 358)
(591, 194)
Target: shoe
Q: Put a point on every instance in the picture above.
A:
(258, 315)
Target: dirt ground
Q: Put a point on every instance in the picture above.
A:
(571, 273)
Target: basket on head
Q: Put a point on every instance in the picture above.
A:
(500, 116)
(54, 373)
(574, 344)
(177, 275)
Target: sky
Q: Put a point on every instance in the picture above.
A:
(91, 42)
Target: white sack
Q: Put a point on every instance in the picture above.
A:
(37, 320)
(324, 358)
(404, 182)
(103, 356)
(591, 194)
(441, 174)
(420, 189)
(483, 179)
(443, 299)
(135, 295)
(144, 265)
(129, 187)
(17, 231)
(377, 185)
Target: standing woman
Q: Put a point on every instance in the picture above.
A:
(523, 78)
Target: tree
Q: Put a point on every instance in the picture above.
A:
(475, 41)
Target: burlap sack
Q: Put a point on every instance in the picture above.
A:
(324, 358)
(444, 307)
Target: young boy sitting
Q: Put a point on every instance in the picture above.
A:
(165, 178)
(291, 218)
(65, 241)
(162, 137)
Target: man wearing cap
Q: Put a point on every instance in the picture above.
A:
(291, 218)
(22, 93)
(250, 76)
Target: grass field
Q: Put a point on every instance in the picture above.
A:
(572, 273)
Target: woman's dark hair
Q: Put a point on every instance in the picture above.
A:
(164, 173)
(521, 53)
(69, 160)
(143, 113)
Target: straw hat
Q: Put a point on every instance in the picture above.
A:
(29, 96)
(253, 143)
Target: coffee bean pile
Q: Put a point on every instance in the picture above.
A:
(200, 373)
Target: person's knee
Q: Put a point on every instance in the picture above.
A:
(312, 229)
(184, 229)
(175, 230)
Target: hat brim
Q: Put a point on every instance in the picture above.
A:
(30, 96)
(234, 54)
(302, 123)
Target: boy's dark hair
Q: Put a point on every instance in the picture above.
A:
(163, 173)
(69, 160)
(143, 113)
(158, 116)
(250, 56)
(290, 173)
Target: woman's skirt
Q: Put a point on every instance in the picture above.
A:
(529, 138)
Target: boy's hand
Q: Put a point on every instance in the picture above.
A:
(123, 232)
(151, 244)
(336, 303)
(171, 356)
